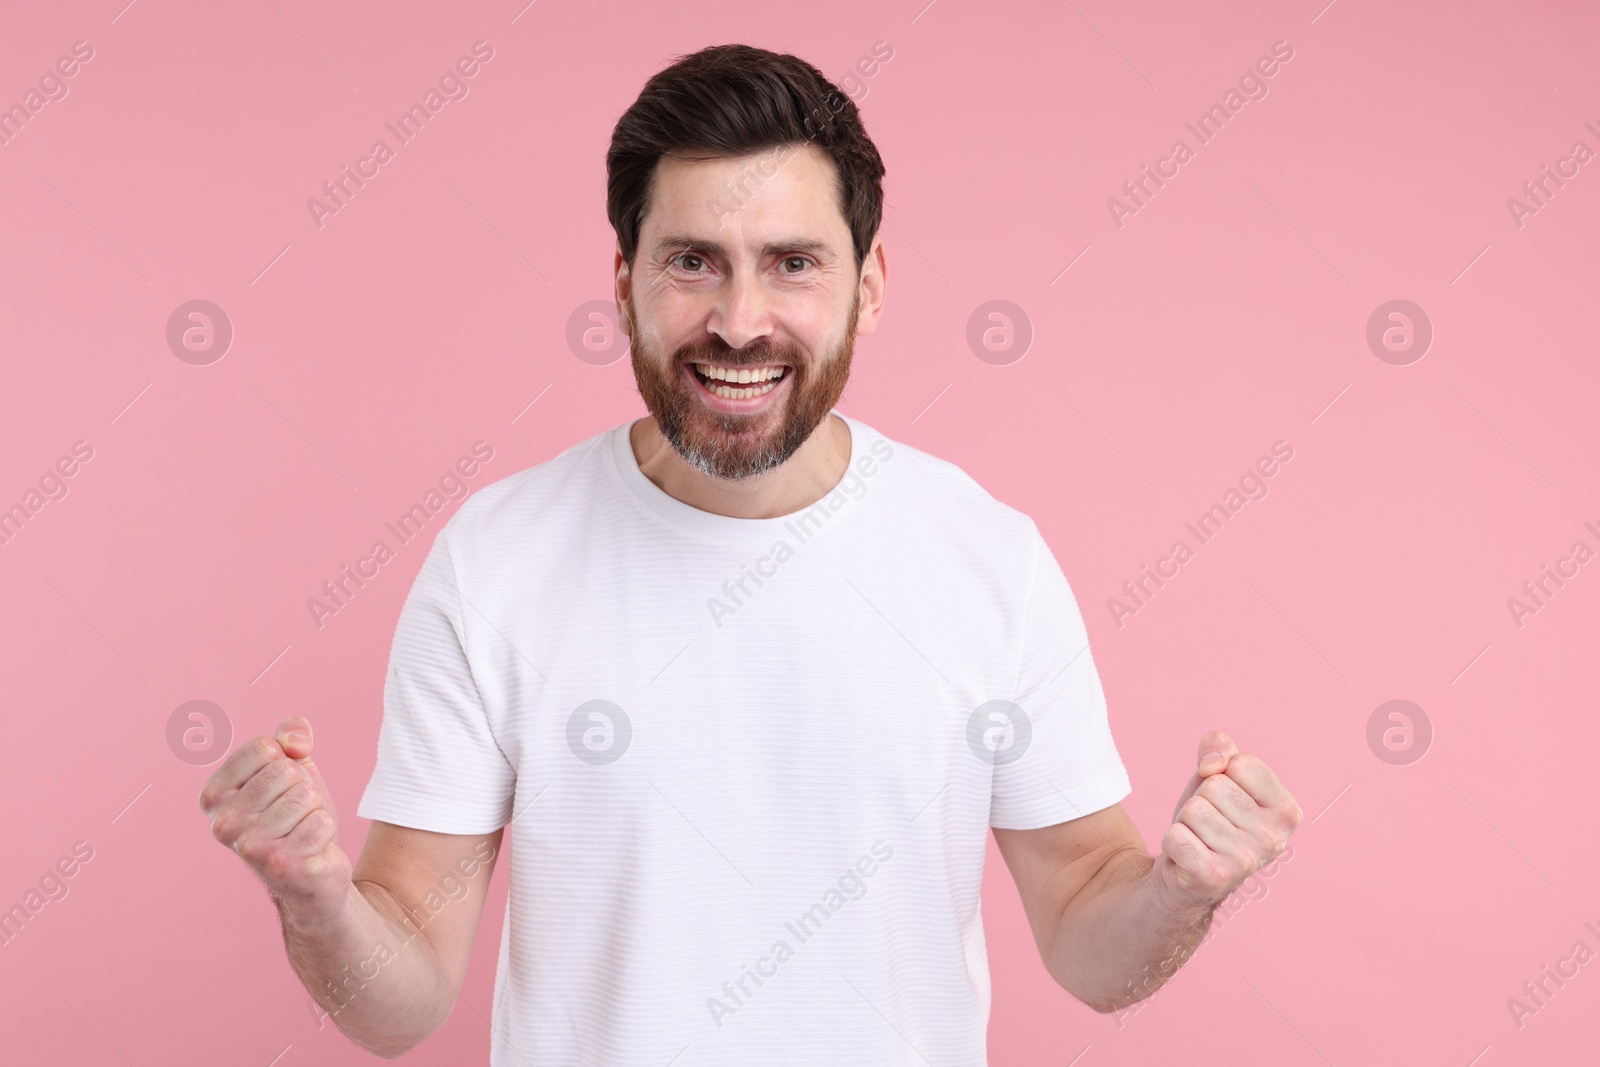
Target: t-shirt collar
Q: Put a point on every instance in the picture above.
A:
(675, 512)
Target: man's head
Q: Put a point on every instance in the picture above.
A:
(746, 198)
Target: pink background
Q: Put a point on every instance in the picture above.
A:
(1229, 313)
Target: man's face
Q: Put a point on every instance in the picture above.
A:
(743, 302)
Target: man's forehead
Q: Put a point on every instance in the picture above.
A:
(776, 197)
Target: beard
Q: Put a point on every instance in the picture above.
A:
(739, 446)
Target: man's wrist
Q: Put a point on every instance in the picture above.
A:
(1180, 910)
(314, 917)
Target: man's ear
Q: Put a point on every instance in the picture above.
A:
(873, 286)
(622, 285)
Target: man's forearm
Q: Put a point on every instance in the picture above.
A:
(1117, 942)
(368, 965)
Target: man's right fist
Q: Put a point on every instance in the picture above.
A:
(269, 804)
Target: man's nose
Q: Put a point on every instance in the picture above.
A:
(741, 314)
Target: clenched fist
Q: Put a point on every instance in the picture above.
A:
(1233, 818)
(269, 804)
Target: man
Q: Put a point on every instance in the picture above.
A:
(750, 681)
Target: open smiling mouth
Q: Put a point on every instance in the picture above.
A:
(739, 383)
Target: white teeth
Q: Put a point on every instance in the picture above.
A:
(743, 394)
(738, 375)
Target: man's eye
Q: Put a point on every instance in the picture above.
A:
(684, 259)
(802, 260)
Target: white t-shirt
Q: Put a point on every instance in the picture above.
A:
(750, 765)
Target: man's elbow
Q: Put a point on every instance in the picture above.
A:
(1090, 989)
(1099, 1004)
(1103, 1007)
(391, 1045)
(1093, 999)
(1094, 1002)
(389, 1049)
(386, 1047)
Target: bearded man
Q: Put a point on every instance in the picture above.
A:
(750, 681)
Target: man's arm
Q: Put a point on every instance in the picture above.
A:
(1112, 922)
(384, 947)
(389, 967)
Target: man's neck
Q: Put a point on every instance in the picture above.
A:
(805, 478)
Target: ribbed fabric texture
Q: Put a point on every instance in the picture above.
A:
(766, 844)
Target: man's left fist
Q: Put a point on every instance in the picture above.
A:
(1233, 818)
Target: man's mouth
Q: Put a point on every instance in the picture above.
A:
(739, 383)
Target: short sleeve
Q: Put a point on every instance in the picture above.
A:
(439, 767)
(1069, 766)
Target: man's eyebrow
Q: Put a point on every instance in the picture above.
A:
(798, 244)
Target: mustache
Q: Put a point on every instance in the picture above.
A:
(760, 352)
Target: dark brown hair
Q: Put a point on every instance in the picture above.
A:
(733, 100)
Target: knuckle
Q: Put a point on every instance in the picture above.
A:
(267, 747)
(250, 793)
(276, 777)
(249, 850)
(316, 823)
(222, 827)
(277, 864)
